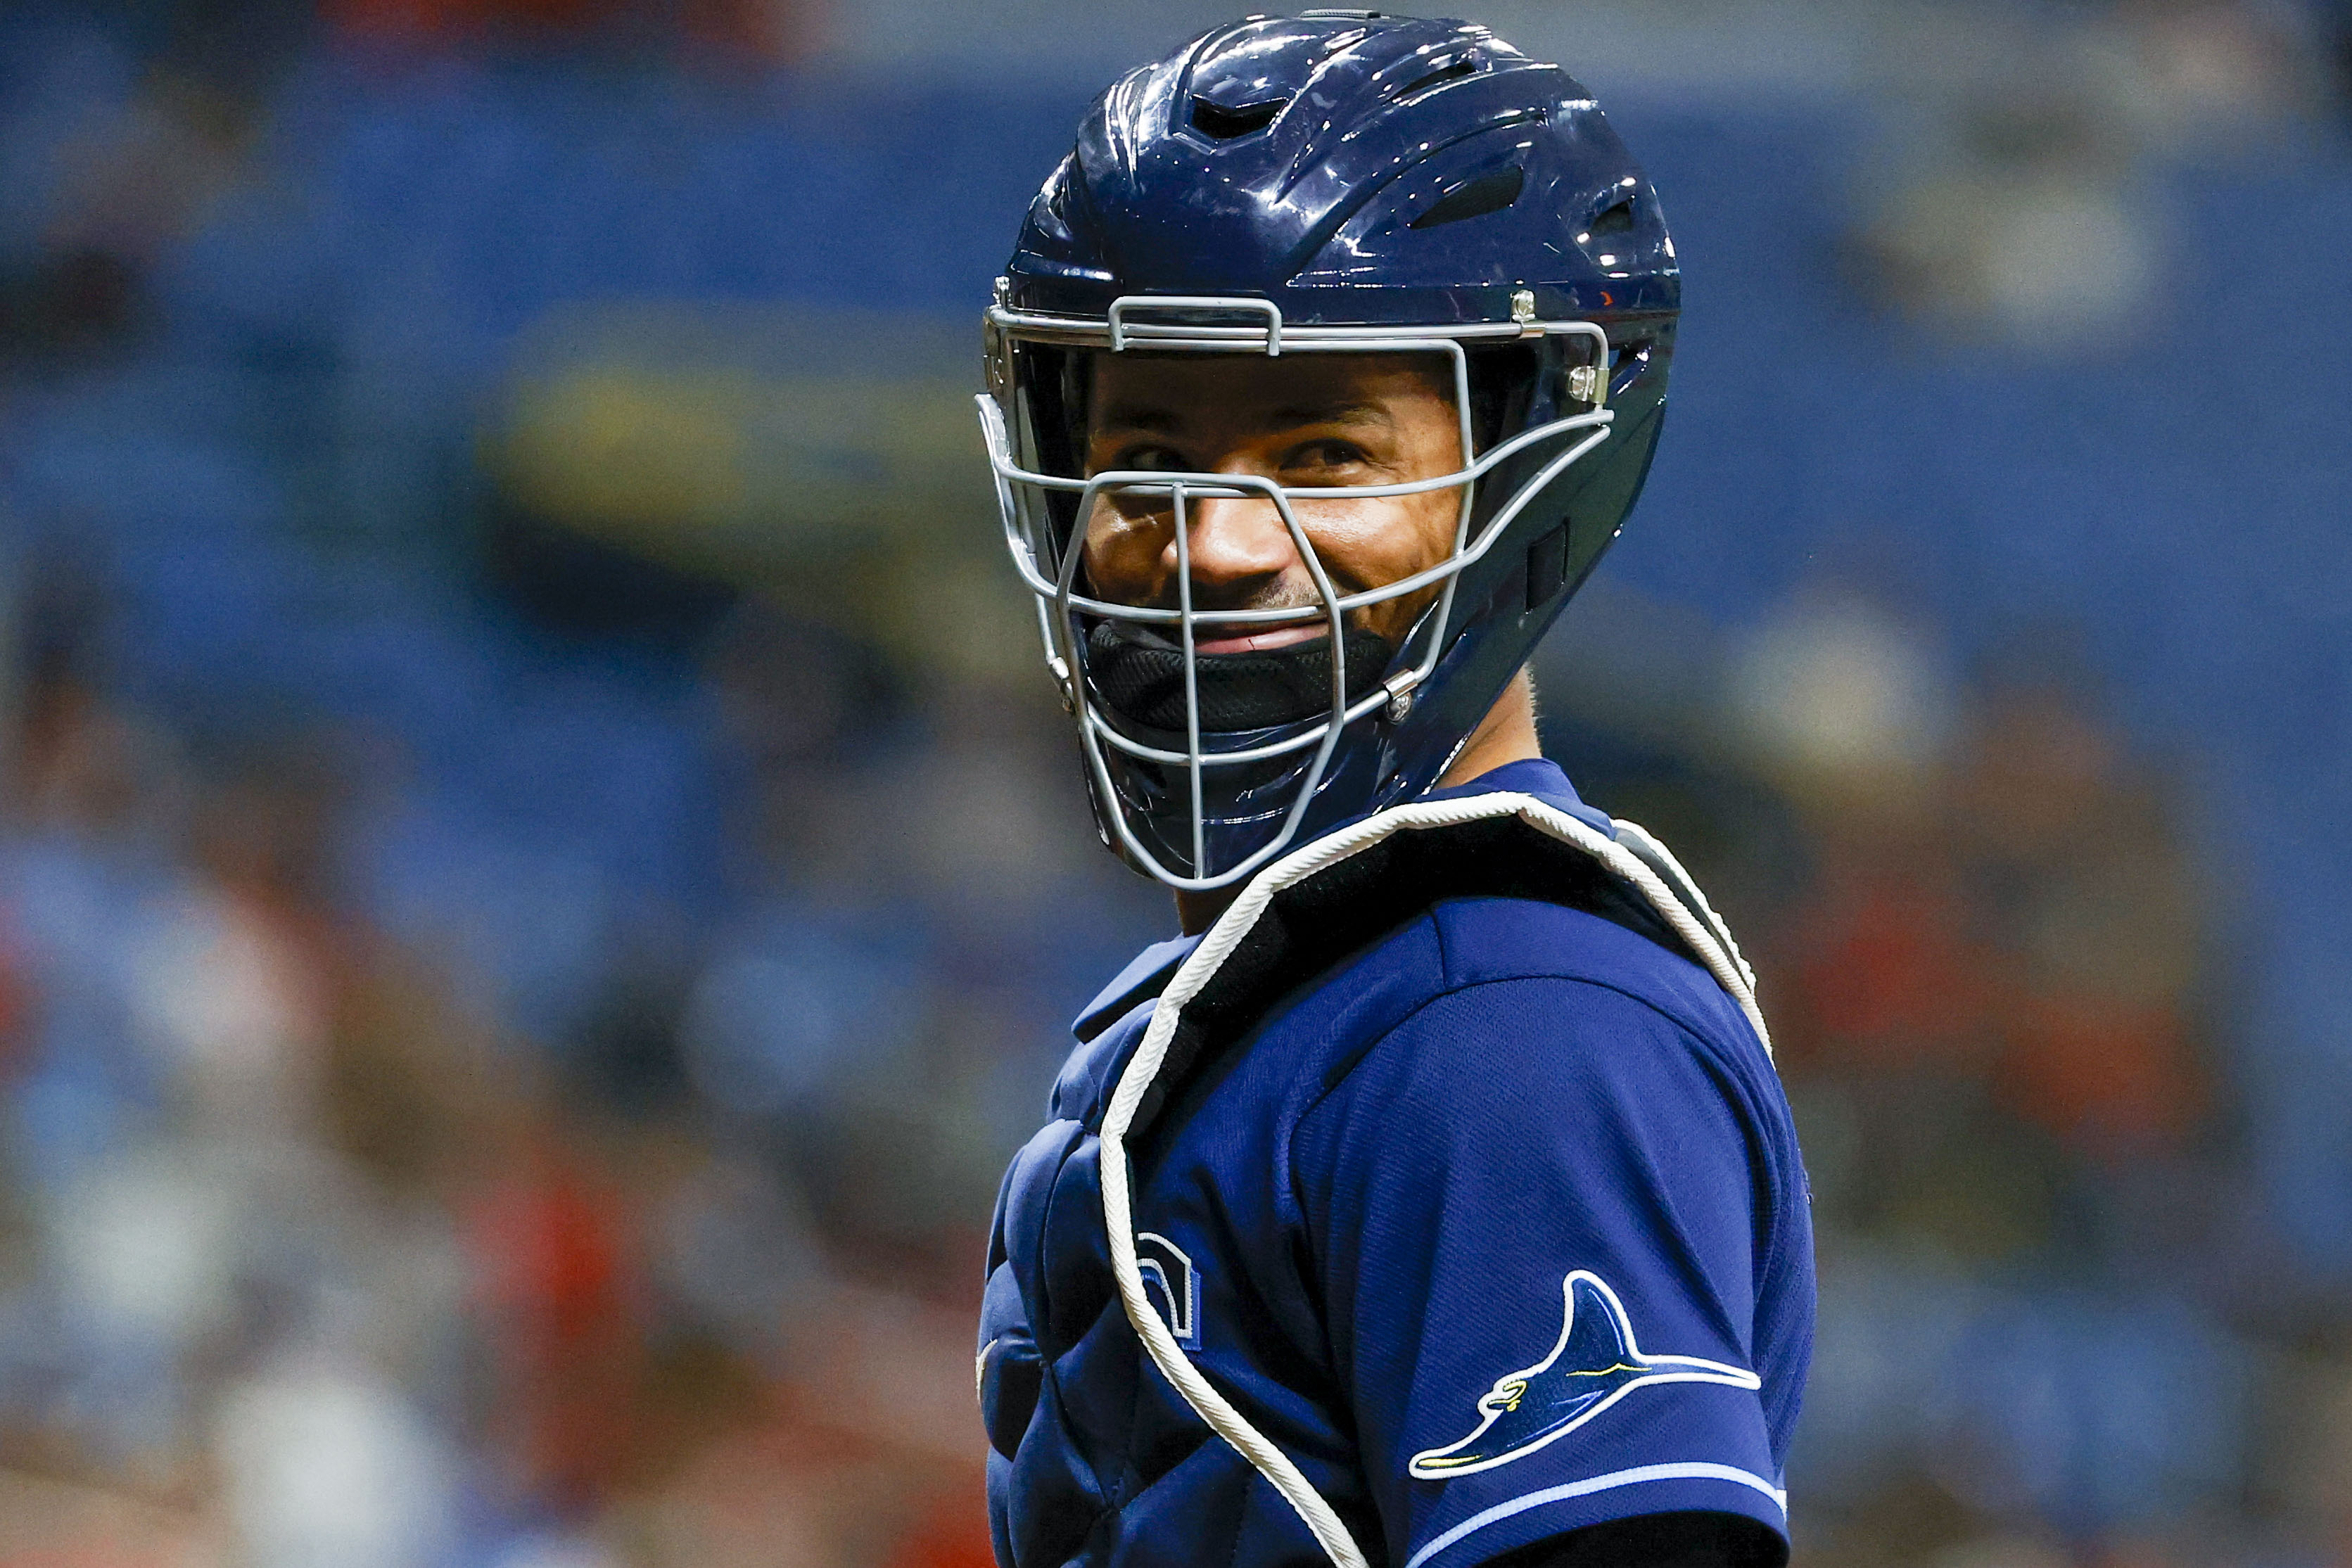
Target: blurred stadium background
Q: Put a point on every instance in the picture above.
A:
(540, 883)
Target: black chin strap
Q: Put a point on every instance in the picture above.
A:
(1140, 675)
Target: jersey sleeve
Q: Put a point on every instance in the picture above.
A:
(1533, 1209)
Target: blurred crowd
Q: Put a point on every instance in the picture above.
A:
(540, 885)
(2055, 1327)
(315, 1254)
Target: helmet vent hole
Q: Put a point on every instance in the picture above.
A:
(1617, 220)
(1486, 194)
(1438, 77)
(1215, 120)
(1546, 567)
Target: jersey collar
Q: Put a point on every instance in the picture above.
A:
(1537, 775)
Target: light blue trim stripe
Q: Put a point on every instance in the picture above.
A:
(1692, 1471)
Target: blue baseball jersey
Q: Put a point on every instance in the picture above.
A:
(1497, 1229)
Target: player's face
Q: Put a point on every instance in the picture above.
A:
(1307, 420)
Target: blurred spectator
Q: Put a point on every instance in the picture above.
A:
(2018, 207)
(128, 186)
(2081, 868)
(561, 1293)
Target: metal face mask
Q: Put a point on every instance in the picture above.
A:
(1331, 183)
(1211, 763)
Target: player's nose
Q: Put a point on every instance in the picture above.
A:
(1238, 544)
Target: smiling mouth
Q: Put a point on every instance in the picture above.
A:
(1264, 641)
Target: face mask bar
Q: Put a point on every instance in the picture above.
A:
(1040, 546)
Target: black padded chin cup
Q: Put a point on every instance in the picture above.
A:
(1140, 675)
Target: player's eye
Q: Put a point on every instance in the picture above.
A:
(1151, 460)
(1326, 456)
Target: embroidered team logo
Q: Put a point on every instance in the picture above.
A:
(1595, 1364)
(1170, 1283)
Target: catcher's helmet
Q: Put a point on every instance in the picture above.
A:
(1338, 182)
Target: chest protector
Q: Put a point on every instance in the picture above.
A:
(1304, 913)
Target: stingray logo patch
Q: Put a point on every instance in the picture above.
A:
(1596, 1363)
(1171, 1284)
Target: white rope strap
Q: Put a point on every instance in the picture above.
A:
(1722, 960)
(1716, 923)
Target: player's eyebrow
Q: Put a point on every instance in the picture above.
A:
(1163, 421)
(1339, 411)
(1138, 416)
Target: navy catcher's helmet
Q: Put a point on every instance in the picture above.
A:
(1332, 182)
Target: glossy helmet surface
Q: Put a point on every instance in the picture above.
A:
(1333, 182)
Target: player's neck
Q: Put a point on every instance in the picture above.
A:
(1507, 734)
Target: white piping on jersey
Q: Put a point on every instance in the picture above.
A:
(1704, 936)
(1693, 1470)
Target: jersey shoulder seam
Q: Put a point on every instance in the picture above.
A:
(1339, 1073)
(1657, 997)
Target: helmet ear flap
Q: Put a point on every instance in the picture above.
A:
(1558, 534)
(1049, 389)
(1504, 386)
(1598, 497)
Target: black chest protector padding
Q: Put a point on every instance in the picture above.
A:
(1312, 924)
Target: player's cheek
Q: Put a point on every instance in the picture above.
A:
(1124, 552)
(1346, 539)
(1423, 535)
(1415, 533)
(1369, 544)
